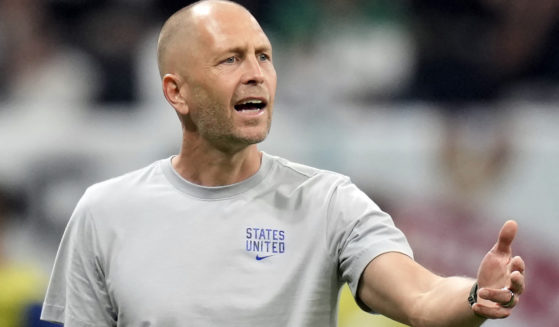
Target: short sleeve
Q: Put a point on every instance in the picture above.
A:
(77, 294)
(359, 232)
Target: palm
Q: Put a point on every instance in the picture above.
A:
(494, 270)
(500, 274)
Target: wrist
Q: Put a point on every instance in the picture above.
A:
(472, 298)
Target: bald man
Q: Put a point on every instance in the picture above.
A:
(223, 234)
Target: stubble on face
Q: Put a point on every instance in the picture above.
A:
(215, 121)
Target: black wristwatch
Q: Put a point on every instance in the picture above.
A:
(472, 299)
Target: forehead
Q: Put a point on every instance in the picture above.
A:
(223, 28)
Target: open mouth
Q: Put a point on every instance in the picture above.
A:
(250, 105)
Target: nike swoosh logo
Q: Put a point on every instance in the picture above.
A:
(262, 258)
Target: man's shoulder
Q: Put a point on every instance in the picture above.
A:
(306, 172)
(126, 184)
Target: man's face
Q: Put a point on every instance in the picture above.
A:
(231, 80)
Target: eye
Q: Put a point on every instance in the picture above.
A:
(263, 57)
(230, 60)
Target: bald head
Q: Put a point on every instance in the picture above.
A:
(181, 31)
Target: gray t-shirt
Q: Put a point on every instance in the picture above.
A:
(151, 249)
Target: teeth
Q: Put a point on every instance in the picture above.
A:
(252, 101)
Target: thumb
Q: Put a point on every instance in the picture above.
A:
(506, 236)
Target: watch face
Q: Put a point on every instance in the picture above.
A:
(472, 299)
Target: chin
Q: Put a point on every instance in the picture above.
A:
(253, 139)
(253, 136)
(237, 142)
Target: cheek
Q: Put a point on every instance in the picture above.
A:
(223, 90)
(273, 80)
(212, 97)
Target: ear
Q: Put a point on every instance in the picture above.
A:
(172, 85)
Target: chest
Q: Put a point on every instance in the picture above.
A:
(210, 259)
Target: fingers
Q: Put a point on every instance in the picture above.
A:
(517, 283)
(500, 296)
(517, 264)
(506, 236)
(504, 300)
(491, 312)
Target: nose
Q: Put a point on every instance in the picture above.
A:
(253, 71)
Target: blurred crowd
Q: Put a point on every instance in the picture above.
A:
(444, 111)
(89, 51)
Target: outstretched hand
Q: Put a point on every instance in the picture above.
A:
(500, 277)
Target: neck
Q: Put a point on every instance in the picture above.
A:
(212, 167)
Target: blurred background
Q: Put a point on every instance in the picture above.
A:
(445, 112)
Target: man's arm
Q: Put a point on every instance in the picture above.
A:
(398, 287)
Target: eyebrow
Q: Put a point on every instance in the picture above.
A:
(241, 49)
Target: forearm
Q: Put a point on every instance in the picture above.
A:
(445, 304)
(400, 288)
